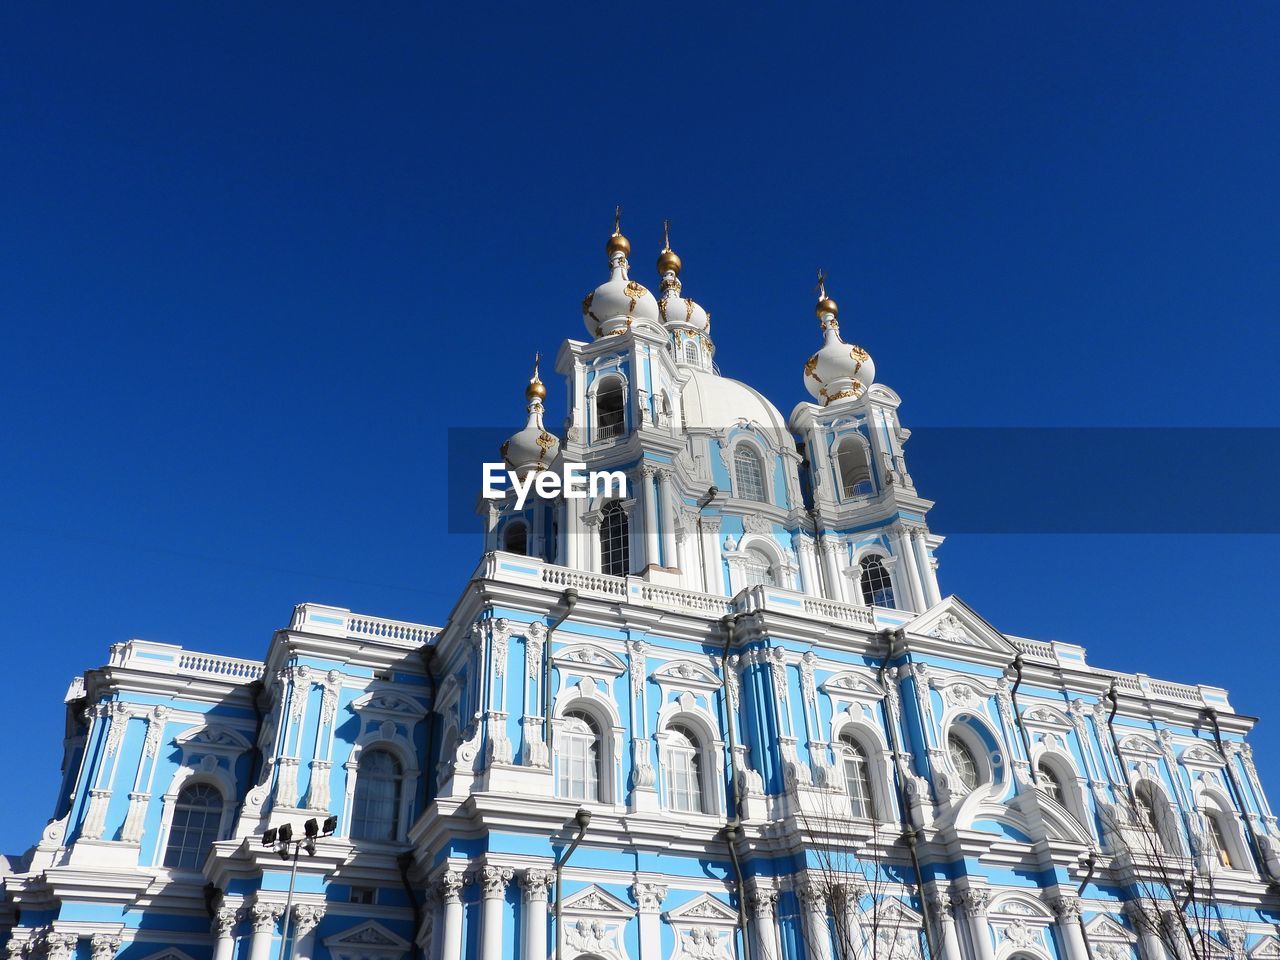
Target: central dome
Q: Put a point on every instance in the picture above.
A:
(713, 402)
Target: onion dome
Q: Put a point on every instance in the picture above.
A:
(838, 370)
(533, 448)
(678, 313)
(618, 303)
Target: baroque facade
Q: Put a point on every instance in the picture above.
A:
(725, 714)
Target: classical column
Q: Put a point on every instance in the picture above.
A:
(830, 551)
(817, 935)
(591, 541)
(940, 909)
(264, 917)
(907, 564)
(651, 548)
(60, 946)
(535, 882)
(811, 582)
(974, 901)
(306, 917)
(493, 889)
(104, 946)
(713, 562)
(450, 887)
(1068, 912)
(927, 580)
(850, 931)
(649, 897)
(224, 922)
(764, 925)
(1152, 948)
(669, 558)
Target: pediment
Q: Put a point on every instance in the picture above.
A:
(215, 739)
(1021, 905)
(590, 659)
(1045, 716)
(597, 901)
(685, 673)
(853, 685)
(1268, 948)
(1103, 927)
(895, 913)
(388, 703)
(169, 953)
(1202, 757)
(703, 910)
(1139, 745)
(953, 622)
(369, 937)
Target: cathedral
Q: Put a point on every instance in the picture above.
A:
(725, 712)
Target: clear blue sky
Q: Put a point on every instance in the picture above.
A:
(254, 263)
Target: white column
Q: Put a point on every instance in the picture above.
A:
(306, 917)
(928, 582)
(669, 558)
(907, 564)
(764, 925)
(812, 584)
(264, 916)
(649, 897)
(1068, 912)
(711, 554)
(940, 908)
(450, 887)
(650, 501)
(974, 902)
(591, 542)
(493, 890)
(813, 900)
(534, 883)
(224, 922)
(831, 561)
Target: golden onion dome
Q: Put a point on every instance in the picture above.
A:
(826, 306)
(536, 389)
(668, 262)
(618, 244)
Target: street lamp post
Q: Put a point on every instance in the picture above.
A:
(282, 839)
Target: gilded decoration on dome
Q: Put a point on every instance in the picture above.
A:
(635, 291)
(810, 366)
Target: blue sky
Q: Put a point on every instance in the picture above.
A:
(255, 262)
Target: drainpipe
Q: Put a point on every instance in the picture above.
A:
(909, 833)
(1260, 861)
(1017, 715)
(582, 818)
(733, 827)
(1113, 694)
(704, 501)
(570, 600)
(1092, 864)
(404, 861)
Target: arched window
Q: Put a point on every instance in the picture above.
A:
(684, 771)
(615, 546)
(857, 777)
(515, 538)
(690, 351)
(877, 588)
(1216, 834)
(1050, 784)
(609, 404)
(1151, 811)
(757, 568)
(375, 810)
(855, 471)
(578, 750)
(749, 473)
(963, 761)
(197, 821)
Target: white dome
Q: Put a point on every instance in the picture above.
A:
(533, 448)
(617, 303)
(714, 402)
(680, 311)
(838, 370)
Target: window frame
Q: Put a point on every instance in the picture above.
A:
(193, 783)
(850, 748)
(602, 388)
(745, 448)
(564, 736)
(621, 543)
(866, 594)
(362, 779)
(851, 442)
(694, 751)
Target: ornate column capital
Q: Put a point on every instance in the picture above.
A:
(224, 921)
(494, 880)
(813, 894)
(763, 903)
(265, 916)
(450, 885)
(973, 901)
(648, 896)
(306, 917)
(60, 946)
(1066, 909)
(104, 946)
(535, 882)
(941, 905)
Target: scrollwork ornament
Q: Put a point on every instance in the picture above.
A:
(104, 946)
(224, 920)
(265, 916)
(494, 880)
(648, 896)
(450, 885)
(535, 882)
